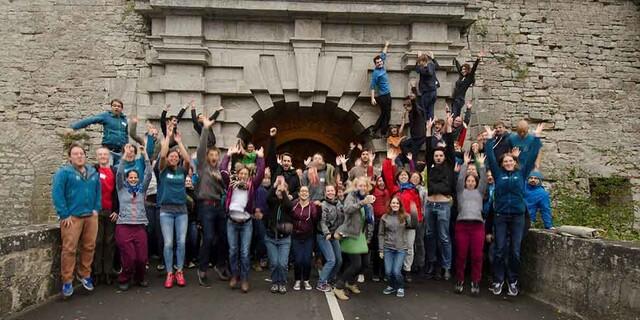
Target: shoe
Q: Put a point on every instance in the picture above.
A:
(296, 285)
(180, 279)
(160, 267)
(67, 290)
(324, 287)
(512, 289)
(87, 283)
(340, 294)
(244, 286)
(459, 287)
(496, 288)
(108, 280)
(282, 289)
(400, 293)
(360, 278)
(221, 275)
(375, 279)
(143, 284)
(203, 280)
(352, 287)
(268, 280)
(263, 263)
(475, 288)
(430, 271)
(307, 285)
(123, 286)
(447, 275)
(191, 265)
(168, 282)
(407, 276)
(233, 283)
(388, 290)
(274, 288)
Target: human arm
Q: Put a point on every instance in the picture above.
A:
(530, 161)
(461, 177)
(194, 120)
(164, 150)
(457, 65)
(384, 50)
(133, 126)
(491, 162)
(148, 171)
(163, 119)
(381, 233)
(57, 194)
(184, 154)
(272, 157)
(182, 111)
(323, 221)
(475, 64)
(99, 118)
(257, 179)
(545, 211)
(467, 113)
(120, 176)
(482, 173)
(388, 170)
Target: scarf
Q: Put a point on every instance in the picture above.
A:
(368, 213)
(134, 189)
(407, 186)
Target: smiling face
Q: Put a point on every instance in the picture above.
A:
(286, 162)
(415, 178)
(132, 177)
(470, 182)
(330, 192)
(77, 156)
(457, 121)
(508, 163)
(395, 204)
(173, 158)
(362, 186)
(534, 181)
(490, 178)
(471, 170)
(116, 107)
(380, 183)
(364, 157)
(103, 156)
(403, 177)
(378, 63)
(318, 159)
(243, 174)
(303, 194)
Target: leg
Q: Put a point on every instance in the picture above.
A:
(272, 254)
(431, 219)
(306, 262)
(408, 260)
(398, 259)
(141, 247)
(385, 107)
(297, 247)
(283, 258)
(500, 244)
(98, 260)
(477, 249)
(222, 244)
(419, 251)
(181, 222)
(70, 238)
(456, 107)
(516, 228)
(431, 96)
(330, 260)
(232, 239)
(167, 221)
(109, 247)
(87, 245)
(246, 231)
(127, 252)
(388, 267)
(337, 252)
(463, 239)
(443, 234)
(207, 217)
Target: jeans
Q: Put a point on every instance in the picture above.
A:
(332, 255)
(352, 266)
(382, 124)
(438, 215)
(469, 242)
(393, 261)
(506, 225)
(302, 249)
(171, 222)
(428, 102)
(239, 238)
(259, 232)
(132, 242)
(208, 215)
(192, 241)
(154, 231)
(278, 253)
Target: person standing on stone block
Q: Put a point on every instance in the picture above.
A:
(114, 132)
(426, 66)
(380, 83)
(105, 241)
(131, 234)
(466, 79)
(510, 175)
(77, 198)
(537, 199)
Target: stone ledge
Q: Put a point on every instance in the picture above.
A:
(22, 238)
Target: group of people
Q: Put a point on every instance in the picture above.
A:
(218, 210)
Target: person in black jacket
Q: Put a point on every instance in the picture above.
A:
(426, 66)
(416, 126)
(284, 169)
(502, 144)
(103, 261)
(279, 225)
(465, 80)
(198, 122)
(441, 186)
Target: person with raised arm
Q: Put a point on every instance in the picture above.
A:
(105, 242)
(380, 85)
(332, 216)
(510, 175)
(426, 66)
(466, 79)
(279, 225)
(114, 128)
(304, 216)
(172, 199)
(284, 167)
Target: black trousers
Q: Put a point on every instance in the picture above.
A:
(352, 264)
(382, 124)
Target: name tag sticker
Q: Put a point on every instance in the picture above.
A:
(103, 176)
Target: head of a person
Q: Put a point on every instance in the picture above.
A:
(403, 176)
(393, 131)
(423, 59)
(173, 120)
(457, 121)
(330, 192)
(303, 193)
(318, 159)
(415, 178)
(117, 106)
(132, 177)
(522, 128)
(396, 205)
(508, 162)
(173, 158)
(287, 161)
(475, 148)
(266, 180)
(130, 152)
(380, 183)
(378, 62)
(363, 185)
(77, 155)
(482, 137)
(213, 156)
(500, 128)
(340, 192)
(200, 118)
(280, 184)
(243, 172)
(471, 170)
(535, 178)
(471, 182)
(188, 182)
(103, 156)
(438, 125)
(490, 177)
(407, 104)
(438, 155)
(251, 147)
(364, 157)
(465, 69)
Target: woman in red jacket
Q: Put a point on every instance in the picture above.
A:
(380, 207)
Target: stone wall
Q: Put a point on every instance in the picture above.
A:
(594, 279)
(29, 267)
(60, 62)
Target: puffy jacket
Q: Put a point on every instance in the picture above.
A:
(74, 194)
(381, 205)
(537, 199)
(408, 197)
(114, 132)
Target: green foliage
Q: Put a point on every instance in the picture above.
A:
(510, 61)
(603, 209)
(69, 138)
(481, 27)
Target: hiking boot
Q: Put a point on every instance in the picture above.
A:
(388, 290)
(459, 287)
(340, 294)
(180, 279)
(87, 283)
(233, 282)
(447, 275)
(67, 289)
(244, 286)
(475, 288)
(400, 293)
(168, 282)
(296, 285)
(496, 288)
(307, 285)
(203, 280)
(512, 289)
(352, 287)
(274, 288)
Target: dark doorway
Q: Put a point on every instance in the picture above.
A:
(304, 148)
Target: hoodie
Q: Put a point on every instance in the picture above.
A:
(76, 194)
(537, 199)
(114, 132)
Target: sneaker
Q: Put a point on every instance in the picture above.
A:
(244, 286)
(143, 283)
(203, 280)
(180, 279)
(168, 282)
(220, 274)
(496, 288)
(475, 288)
(282, 289)
(160, 267)
(268, 280)
(296, 285)
(388, 290)
(87, 283)
(447, 275)
(459, 287)
(352, 287)
(191, 265)
(307, 285)
(274, 288)
(324, 287)
(375, 279)
(361, 278)
(340, 294)
(67, 289)
(123, 286)
(400, 293)
(512, 289)
(233, 282)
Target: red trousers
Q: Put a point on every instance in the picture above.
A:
(469, 242)
(132, 243)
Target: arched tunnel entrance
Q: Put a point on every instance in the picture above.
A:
(303, 131)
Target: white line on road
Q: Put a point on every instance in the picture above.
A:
(334, 307)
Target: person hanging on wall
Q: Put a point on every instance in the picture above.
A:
(380, 84)
(114, 128)
(77, 198)
(426, 66)
(465, 80)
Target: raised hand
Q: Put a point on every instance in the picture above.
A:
(467, 157)
(457, 167)
(343, 159)
(134, 120)
(177, 137)
(490, 132)
(539, 129)
(515, 152)
(480, 158)
(192, 104)
(167, 107)
(391, 154)
(232, 150)
(338, 161)
(260, 152)
(273, 131)
(409, 155)
(481, 54)
(372, 157)
(307, 162)
(279, 159)
(469, 105)
(206, 122)
(430, 123)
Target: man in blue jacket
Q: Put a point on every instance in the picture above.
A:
(114, 123)
(537, 199)
(380, 83)
(77, 198)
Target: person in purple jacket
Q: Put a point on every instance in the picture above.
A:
(239, 205)
(305, 216)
